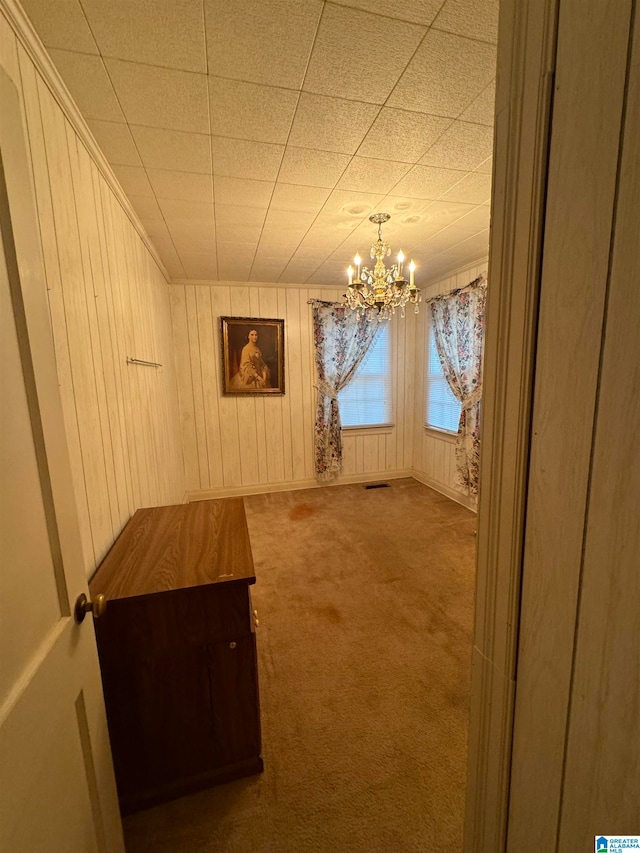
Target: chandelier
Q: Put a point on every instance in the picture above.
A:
(380, 291)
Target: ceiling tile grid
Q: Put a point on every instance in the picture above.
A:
(255, 138)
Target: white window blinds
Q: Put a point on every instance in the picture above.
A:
(367, 399)
(442, 408)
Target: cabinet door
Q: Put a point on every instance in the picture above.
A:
(158, 709)
(234, 698)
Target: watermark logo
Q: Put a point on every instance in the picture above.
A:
(616, 843)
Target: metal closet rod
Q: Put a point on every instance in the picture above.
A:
(142, 361)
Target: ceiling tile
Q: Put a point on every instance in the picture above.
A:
(313, 168)
(404, 208)
(349, 207)
(457, 254)
(156, 228)
(187, 243)
(486, 167)
(295, 220)
(238, 233)
(482, 109)
(261, 41)
(241, 158)
(116, 142)
(463, 146)
(427, 182)
(477, 19)
(297, 273)
(160, 32)
(186, 211)
(233, 270)
(447, 237)
(445, 75)
(61, 24)
(133, 180)
(161, 97)
(441, 214)
(280, 240)
(173, 149)
(186, 186)
(199, 266)
(231, 214)
(477, 220)
(146, 208)
(310, 253)
(331, 124)
(197, 235)
(402, 135)
(417, 11)
(267, 270)
(292, 197)
(86, 78)
(169, 256)
(250, 111)
(334, 49)
(242, 191)
(263, 257)
(372, 176)
(329, 274)
(475, 188)
(241, 252)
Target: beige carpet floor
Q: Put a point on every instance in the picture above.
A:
(365, 599)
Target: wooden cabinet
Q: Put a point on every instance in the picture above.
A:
(178, 652)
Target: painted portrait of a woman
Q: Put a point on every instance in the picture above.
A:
(253, 356)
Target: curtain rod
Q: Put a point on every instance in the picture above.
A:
(475, 283)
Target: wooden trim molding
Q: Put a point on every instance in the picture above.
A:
(526, 57)
(464, 500)
(293, 485)
(29, 39)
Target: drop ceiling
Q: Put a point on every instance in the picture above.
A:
(255, 137)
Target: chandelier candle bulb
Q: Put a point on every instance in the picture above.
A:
(350, 274)
(357, 260)
(400, 262)
(412, 269)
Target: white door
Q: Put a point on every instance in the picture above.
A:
(56, 778)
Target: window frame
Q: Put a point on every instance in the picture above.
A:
(442, 432)
(380, 428)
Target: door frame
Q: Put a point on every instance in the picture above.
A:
(524, 99)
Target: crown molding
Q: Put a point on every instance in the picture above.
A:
(30, 41)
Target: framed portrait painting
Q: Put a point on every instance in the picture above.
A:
(252, 355)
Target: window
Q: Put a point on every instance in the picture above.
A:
(442, 408)
(366, 401)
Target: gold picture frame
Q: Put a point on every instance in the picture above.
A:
(252, 356)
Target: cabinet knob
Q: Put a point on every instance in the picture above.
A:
(232, 644)
(84, 606)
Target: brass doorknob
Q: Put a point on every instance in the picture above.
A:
(84, 606)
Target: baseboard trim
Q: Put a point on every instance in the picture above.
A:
(291, 485)
(465, 500)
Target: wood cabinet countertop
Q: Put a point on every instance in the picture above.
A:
(176, 547)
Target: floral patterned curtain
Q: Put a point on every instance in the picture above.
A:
(458, 323)
(342, 337)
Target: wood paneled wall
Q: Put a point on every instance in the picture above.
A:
(108, 300)
(237, 444)
(434, 460)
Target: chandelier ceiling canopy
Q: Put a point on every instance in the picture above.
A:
(380, 291)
